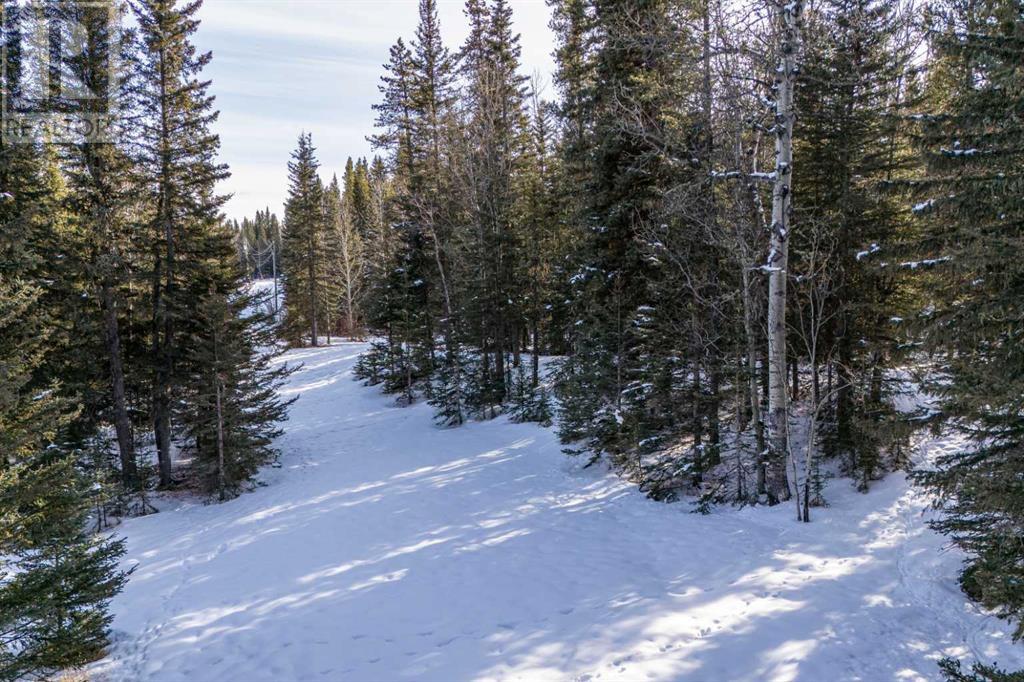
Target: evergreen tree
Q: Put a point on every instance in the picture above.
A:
(497, 129)
(103, 248)
(177, 159)
(233, 406)
(613, 364)
(972, 224)
(850, 104)
(55, 577)
(303, 244)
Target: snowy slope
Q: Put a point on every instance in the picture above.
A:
(388, 549)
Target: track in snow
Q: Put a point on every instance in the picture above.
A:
(388, 549)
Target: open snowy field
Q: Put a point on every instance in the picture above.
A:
(387, 549)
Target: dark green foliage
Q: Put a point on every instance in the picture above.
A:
(303, 247)
(851, 139)
(967, 251)
(58, 577)
(177, 163)
(233, 409)
(635, 53)
(529, 402)
(447, 271)
(452, 393)
(952, 671)
(374, 365)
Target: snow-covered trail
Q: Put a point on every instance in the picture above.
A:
(387, 549)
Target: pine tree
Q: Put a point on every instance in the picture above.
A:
(425, 203)
(497, 129)
(304, 261)
(416, 118)
(614, 362)
(233, 406)
(55, 577)
(451, 395)
(177, 160)
(103, 248)
(851, 141)
(967, 254)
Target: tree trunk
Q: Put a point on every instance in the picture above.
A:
(313, 333)
(778, 257)
(273, 266)
(122, 421)
(535, 355)
(794, 365)
(221, 478)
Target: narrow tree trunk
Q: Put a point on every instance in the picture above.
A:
(535, 355)
(778, 257)
(446, 322)
(753, 389)
(273, 265)
(697, 415)
(350, 314)
(122, 421)
(794, 365)
(221, 477)
(714, 425)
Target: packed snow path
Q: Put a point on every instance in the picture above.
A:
(388, 549)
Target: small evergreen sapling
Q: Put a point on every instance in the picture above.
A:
(529, 403)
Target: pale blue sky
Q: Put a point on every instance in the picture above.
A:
(283, 66)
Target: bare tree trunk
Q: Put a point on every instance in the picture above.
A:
(313, 335)
(752, 374)
(221, 478)
(273, 266)
(778, 257)
(350, 314)
(122, 421)
(535, 355)
(794, 366)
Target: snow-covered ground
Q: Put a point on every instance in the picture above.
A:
(388, 549)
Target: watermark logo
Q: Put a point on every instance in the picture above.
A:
(60, 71)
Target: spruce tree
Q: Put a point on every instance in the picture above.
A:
(104, 248)
(622, 345)
(496, 97)
(851, 141)
(303, 244)
(967, 254)
(56, 578)
(234, 409)
(177, 158)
